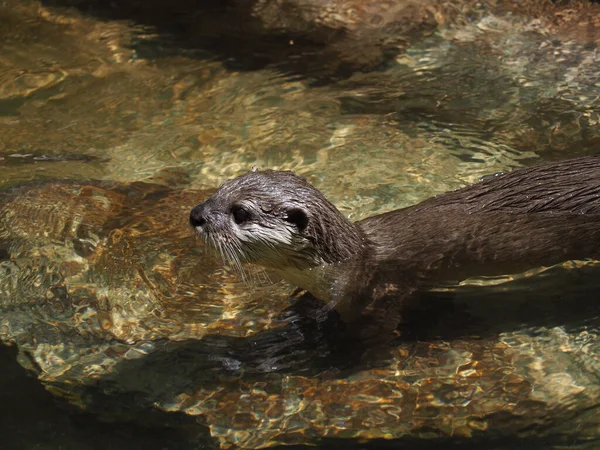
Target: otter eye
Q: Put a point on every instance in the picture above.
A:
(240, 215)
(298, 217)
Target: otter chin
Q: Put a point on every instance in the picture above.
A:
(523, 219)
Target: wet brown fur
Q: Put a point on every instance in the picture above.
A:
(541, 215)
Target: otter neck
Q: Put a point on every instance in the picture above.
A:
(328, 278)
(348, 242)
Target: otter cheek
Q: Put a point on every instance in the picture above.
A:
(260, 243)
(280, 235)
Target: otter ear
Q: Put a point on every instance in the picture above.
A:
(298, 217)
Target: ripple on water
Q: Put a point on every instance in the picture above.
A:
(115, 306)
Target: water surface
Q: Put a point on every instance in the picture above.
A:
(117, 119)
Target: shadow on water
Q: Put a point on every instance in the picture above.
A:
(306, 346)
(30, 417)
(231, 32)
(299, 37)
(438, 444)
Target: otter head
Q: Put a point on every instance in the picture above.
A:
(275, 219)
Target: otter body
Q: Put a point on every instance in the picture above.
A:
(523, 219)
(541, 215)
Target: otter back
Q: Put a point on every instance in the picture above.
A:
(541, 215)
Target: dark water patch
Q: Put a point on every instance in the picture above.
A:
(10, 106)
(566, 301)
(211, 29)
(30, 417)
(296, 37)
(442, 444)
(4, 251)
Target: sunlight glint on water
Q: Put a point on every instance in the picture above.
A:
(112, 129)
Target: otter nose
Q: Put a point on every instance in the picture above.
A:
(198, 215)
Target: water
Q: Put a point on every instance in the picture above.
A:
(117, 119)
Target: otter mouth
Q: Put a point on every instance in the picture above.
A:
(225, 247)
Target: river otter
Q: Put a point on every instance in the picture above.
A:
(531, 217)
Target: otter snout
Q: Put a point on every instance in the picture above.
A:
(198, 215)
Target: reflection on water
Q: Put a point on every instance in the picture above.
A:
(117, 119)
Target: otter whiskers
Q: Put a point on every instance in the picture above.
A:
(231, 254)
